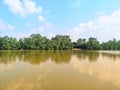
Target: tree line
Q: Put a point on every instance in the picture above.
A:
(93, 44)
(59, 42)
(36, 42)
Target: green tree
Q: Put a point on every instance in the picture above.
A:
(93, 44)
(5, 45)
(20, 44)
(13, 43)
(27, 43)
(61, 42)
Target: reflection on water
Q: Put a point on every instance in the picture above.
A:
(35, 57)
(59, 70)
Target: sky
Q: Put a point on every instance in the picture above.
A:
(77, 18)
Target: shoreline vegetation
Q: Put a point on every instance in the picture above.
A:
(59, 42)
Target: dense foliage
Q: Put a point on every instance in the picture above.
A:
(59, 42)
(36, 42)
(94, 44)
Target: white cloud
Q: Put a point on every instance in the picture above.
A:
(104, 27)
(41, 29)
(15, 6)
(23, 8)
(31, 7)
(41, 18)
(4, 26)
(47, 26)
(76, 3)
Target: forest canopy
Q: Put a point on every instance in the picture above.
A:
(59, 42)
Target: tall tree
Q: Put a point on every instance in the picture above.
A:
(93, 44)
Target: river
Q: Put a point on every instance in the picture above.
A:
(59, 70)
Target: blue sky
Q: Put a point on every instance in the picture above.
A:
(77, 18)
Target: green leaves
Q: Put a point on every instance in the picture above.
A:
(59, 42)
(36, 42)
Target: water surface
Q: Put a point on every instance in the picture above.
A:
(59, 70)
